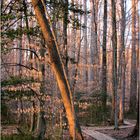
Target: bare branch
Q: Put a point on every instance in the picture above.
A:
(8, 6)
(16, 64)
(26, 50)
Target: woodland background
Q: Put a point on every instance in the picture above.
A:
(76, 62)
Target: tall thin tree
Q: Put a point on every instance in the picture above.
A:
(104, 63)
(122, 63)
(65, 25)
(133, 84)
(93, 43)
(58, 69)
(84, 50)
(114, 117)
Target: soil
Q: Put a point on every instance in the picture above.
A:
(121, 134)
(86, 137)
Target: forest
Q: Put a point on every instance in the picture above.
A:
(70, 69)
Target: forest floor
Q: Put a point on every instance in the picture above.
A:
(93, 133)
(108, 132)
(9, 129)
(121, 134)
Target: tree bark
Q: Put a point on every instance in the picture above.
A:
(104, 63)
(65, 25)
(114, 117)
(41, 130)
(58, 69)
(73, 46)
(20, 44)
(93, 44)
(33, 118)
(122, 64)
(135, 132)
(76, 58)
(41, 119)
(84, 50)
(133, 84)
(33, 114)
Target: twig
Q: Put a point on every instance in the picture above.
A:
(25, 50)
(17, 64)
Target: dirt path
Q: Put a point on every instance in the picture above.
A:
(97, 135)
(93, 131)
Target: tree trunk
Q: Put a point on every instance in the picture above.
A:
(33, 118)
(21, 116)
(77, 63)
(104, 63)
(133, 84)
(138, 49)
(20, 45)
(84, 50)
(58, 69)
(73, 47)
(77, 59)
(41, 120)
(135, 132)
(122, 64)
(33, 115)
(65, 24)
(114, 117)
(41, 129)
(93, 44)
